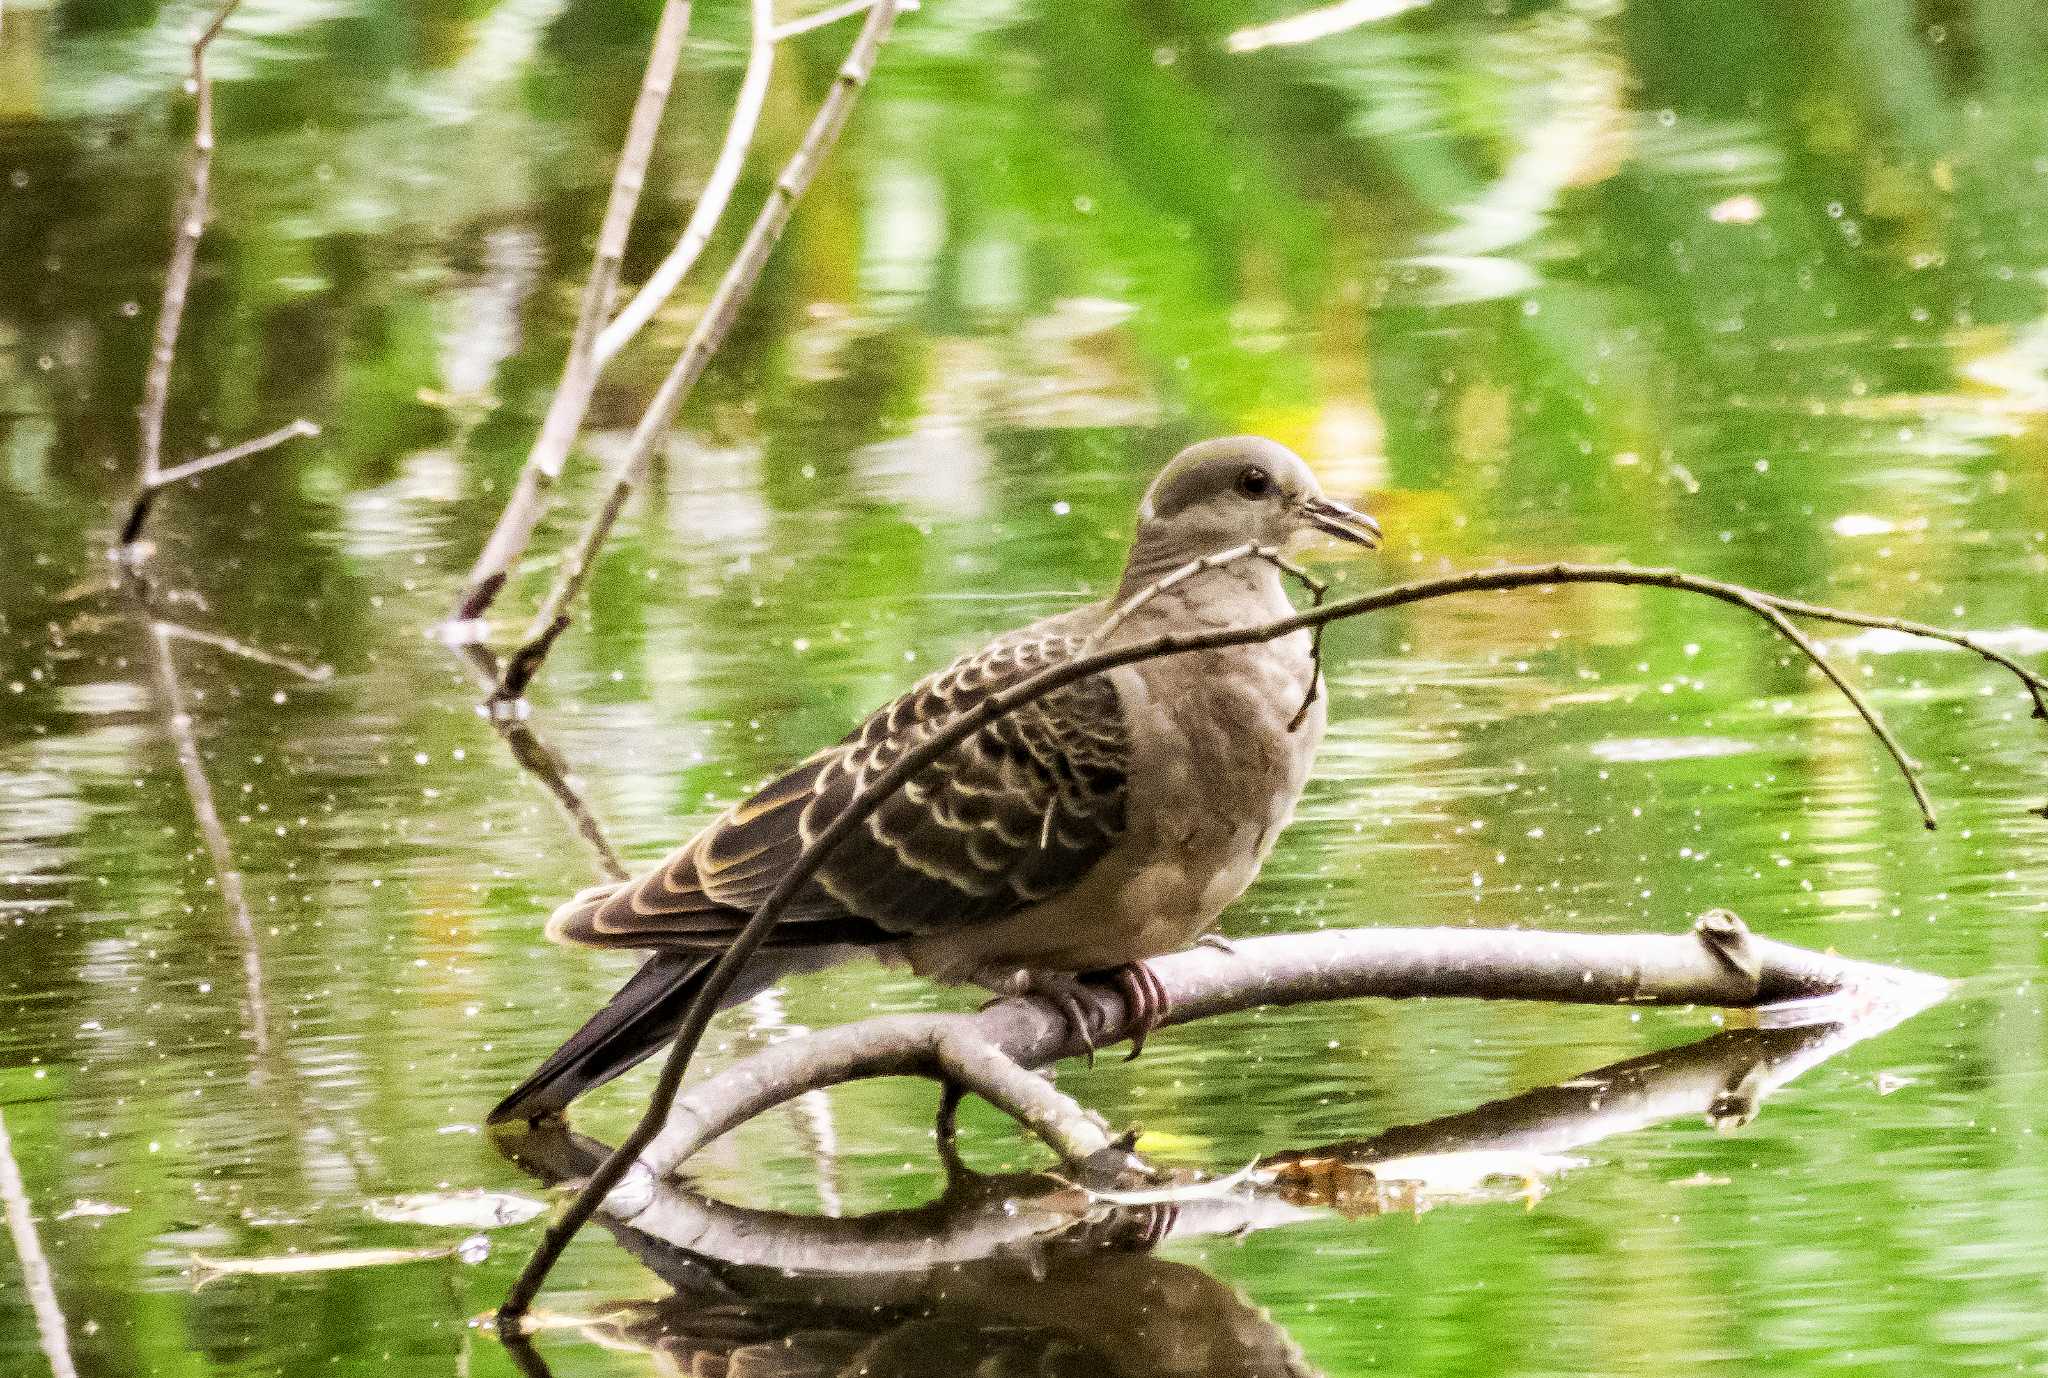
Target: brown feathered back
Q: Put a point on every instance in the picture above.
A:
(1014, 815)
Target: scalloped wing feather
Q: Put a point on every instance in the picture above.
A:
(1013, 816)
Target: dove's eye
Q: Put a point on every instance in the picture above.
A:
(1254, 482)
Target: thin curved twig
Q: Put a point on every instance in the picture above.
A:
(1769, 611)
(877, 791)
(1248, 551)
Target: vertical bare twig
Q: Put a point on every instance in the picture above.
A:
(704, 217)
(712, 328)
(51, 1329)
(156, 382)
(564, 418)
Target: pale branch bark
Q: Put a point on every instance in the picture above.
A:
(877, 791)
(717, 193)
(712, 327)
(192, 468)
(1317, 23)
(156, 383)
(564, 419)
(1289, 969)
(163, 349)
(51, 1330)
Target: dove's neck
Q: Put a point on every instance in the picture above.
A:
(1242, 592)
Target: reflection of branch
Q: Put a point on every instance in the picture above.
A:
(580, 370)
(712, 327)
(35, 1269)
(1725, 1078)
(178, 722)
(810, 1115)
(316, 674)
(541, 760)
(156, 383)
(995, 1254)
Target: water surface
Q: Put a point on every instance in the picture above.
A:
(1720, 285)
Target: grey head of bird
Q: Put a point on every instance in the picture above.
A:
(1239, 490)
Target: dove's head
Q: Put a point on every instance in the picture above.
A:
(1240, 490)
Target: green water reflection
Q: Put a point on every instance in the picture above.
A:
(1758, 290)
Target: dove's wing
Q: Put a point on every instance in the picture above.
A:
(1013, 816)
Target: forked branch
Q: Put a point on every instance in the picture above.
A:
(712, 328)
(580, 369)
(163, 349)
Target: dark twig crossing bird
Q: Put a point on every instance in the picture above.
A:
(1105, 823)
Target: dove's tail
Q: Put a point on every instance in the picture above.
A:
(637, 1021)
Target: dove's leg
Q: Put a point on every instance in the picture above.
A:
(1146, 1000)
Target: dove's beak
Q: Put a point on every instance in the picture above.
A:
(1346, 524)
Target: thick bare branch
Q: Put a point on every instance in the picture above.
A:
(1407, 1167)
(717, 321)
(1791, 983)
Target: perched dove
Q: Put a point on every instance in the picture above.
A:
(1108, 822)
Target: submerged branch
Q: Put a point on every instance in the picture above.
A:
(564, 419)
(878, 790)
